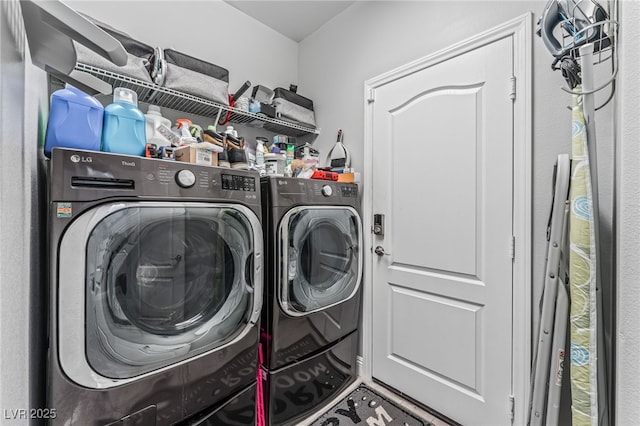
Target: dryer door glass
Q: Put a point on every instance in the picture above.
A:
(164, 284)
(321, 258)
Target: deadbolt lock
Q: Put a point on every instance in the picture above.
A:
(378, 224)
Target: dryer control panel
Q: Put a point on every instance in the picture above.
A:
(292, 191)
(349, 191)
(333, 189)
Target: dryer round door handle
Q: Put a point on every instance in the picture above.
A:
(380, 251)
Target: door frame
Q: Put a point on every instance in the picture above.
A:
(520, 29)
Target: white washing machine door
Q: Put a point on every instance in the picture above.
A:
(320, 250)
(146, 285)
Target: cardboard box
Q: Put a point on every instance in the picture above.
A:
(346, 177)
(191, 154)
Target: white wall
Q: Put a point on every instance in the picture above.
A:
(208, 29)
(330, 67)
(23, 100)
(370, 38)
(628, 219)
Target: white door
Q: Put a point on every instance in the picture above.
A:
(442, 291)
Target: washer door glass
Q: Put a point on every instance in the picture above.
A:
(321, 259)
(165, 284)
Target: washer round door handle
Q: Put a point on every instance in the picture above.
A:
(326, 190)
(185, 178)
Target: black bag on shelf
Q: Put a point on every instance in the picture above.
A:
(292, 107)
(140, 55)
(196, 77)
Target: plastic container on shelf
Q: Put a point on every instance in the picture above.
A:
(250, 151)
(75, 121)
(124, 129)
(231, 131)
(242, 104)
(154, 120)
(274, 164)
(254, 106)
(260, 164)
(290, 155)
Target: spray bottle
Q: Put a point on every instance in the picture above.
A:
(183, 125)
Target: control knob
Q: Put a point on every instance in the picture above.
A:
(326, 190)
(185, 178)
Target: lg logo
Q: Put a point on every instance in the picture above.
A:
(75, 158)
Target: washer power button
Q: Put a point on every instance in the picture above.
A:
(185, 178)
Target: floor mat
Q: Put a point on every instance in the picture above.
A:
(365, 406)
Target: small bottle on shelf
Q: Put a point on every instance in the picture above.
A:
(260, 156)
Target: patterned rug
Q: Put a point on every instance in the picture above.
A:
(364, 406)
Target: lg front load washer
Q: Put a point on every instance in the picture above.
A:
(313, 240)
(155, 291)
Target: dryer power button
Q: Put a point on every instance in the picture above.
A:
(326, 190)
(185, 178)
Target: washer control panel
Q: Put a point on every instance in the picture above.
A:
(98, 175)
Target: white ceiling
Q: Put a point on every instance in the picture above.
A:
(294, 19)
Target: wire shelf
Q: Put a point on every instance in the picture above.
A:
(173, 99)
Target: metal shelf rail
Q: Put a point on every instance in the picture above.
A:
(173, 99)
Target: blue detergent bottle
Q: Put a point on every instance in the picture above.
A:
(75, 121)
(124, 131)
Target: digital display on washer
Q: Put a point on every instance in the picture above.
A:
(349, 191)
(238, 183)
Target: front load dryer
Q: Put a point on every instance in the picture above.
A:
(155, 291)
(309, 339)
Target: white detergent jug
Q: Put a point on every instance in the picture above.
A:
(154, 119)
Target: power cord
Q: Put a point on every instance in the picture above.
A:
(570, 71)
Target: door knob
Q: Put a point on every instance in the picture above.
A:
(380, 251)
